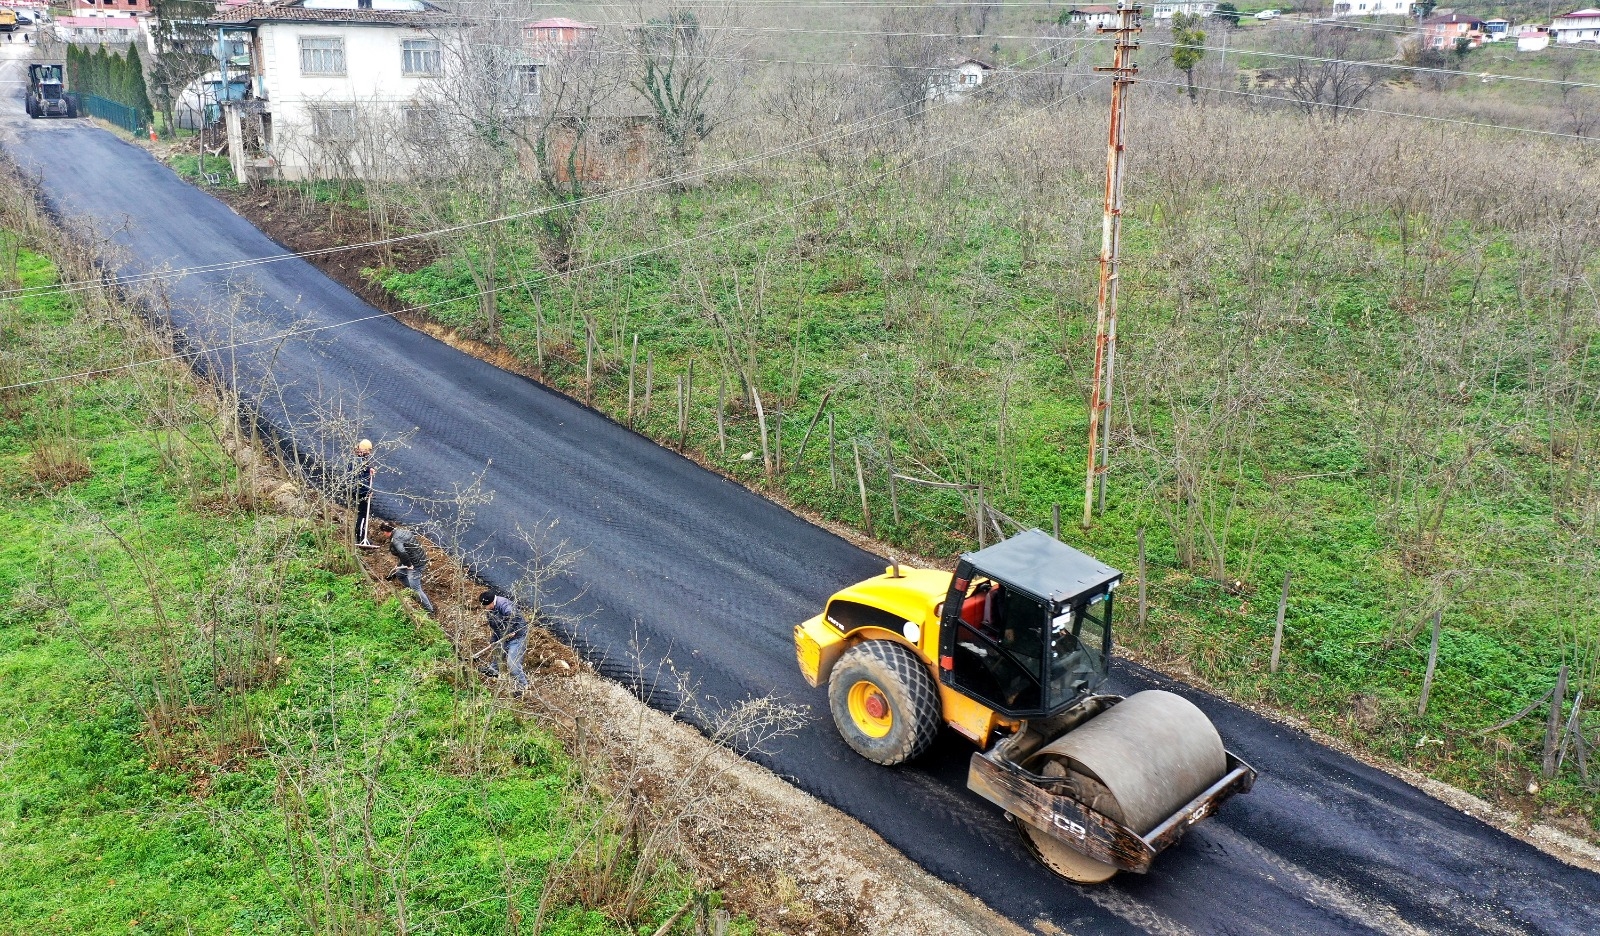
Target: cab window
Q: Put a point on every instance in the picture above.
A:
(999, 650)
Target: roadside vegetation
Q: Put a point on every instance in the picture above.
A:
(1343, 357)
(209, 722)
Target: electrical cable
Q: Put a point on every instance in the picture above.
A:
(1373, 110)
(647, 186)
(649, 251)
(227, 266)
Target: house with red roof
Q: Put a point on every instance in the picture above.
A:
(1577, 26)
(1444, 30)
(558, 34)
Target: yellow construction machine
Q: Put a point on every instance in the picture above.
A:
(1011, 651)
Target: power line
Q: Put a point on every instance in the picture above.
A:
(1395, 66)
(465, 297)
(856, 127)
(1373, 110)
(1282, 55)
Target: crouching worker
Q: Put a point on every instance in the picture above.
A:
(508, 636)
(407, 548)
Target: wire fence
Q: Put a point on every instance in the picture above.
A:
(856, 471)
(128, 118)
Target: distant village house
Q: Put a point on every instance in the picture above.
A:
(1533, 39)
(1347, 8)
(1167, 9)
(558, 34)
(960, 77)
(1575, 27)
(1092, 17)
(99, 30)
(1444, 30)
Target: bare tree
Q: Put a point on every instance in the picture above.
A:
(677, 69)
(918, 44)
(1329, 81)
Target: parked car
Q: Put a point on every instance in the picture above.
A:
(1268, 14)
(24, 18)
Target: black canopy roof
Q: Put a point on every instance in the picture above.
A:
(1043, 566)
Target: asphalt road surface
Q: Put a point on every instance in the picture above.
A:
(712, 576)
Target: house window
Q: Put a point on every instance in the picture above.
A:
(419, 56)
(333, 123)
(528, 80)
(321, 56)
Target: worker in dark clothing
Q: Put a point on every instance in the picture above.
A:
(407, 548)
(362, 472)
(508, 636)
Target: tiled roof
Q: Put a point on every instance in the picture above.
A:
(1446, 19)
(293, 12)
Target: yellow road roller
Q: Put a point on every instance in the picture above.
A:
(1011, 650)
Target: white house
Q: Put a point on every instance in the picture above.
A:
(1167, 9)
(1344, 9)
(318, 68)
(1578, 26)
(97, 30)
(962, 76)
(110, 8)
(1496, 29)
(1533, 39)
(1091, 17)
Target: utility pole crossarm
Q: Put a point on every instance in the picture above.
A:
(1122, 71)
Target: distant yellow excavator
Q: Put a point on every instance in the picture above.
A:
(1010, 651)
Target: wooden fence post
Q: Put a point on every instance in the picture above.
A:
(633, 360)
(777, 441)
(538, 333)
(833, 463)
(1144, 575)
(722, 406)
(649, 383)
(1055, 524)
(680, 412)
(812, 425)
(1552, 728)
(688, 398)
(761, 424)
(588, 360)
(1277, 630)
(861, 482)
(894, 496)
(1433, 660)
(983, 535)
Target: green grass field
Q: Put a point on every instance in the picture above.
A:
(209, 725)
(1387, 403)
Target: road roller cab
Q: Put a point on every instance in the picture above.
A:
(1026, 626)
(1013, 649)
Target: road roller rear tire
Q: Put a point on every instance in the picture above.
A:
(884, 702)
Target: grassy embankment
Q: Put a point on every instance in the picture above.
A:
(1334, 363)
(208, 724)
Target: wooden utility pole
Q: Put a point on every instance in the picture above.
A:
(1122, 71)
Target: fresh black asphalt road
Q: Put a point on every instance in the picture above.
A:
(712, 576)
